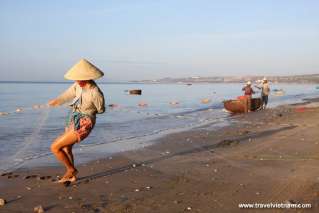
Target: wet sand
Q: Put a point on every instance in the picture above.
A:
(266, 156)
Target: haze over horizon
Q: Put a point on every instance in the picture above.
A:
(41, 40)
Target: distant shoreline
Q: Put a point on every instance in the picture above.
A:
(300, 79)
(294, 79)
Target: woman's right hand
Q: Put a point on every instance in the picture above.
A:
(53, 103)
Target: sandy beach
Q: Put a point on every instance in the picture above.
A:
(269, 156)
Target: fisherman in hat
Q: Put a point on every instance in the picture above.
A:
(265, 90)
(88, 100)
(248, 94)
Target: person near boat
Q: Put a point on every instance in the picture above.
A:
(88, 100)
(265, 90)
(248, 93)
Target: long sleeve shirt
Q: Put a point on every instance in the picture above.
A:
(265, 90)
(92, 99)
(248, 90)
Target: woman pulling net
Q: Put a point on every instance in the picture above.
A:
(88, 100)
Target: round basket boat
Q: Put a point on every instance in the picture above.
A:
(238, 106)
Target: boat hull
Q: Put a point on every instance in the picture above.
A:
(238, 106)
(135, 92)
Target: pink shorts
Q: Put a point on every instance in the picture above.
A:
(86, 125)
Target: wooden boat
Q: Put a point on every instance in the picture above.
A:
(135, 92)
(238, 106)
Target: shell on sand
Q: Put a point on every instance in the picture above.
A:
(2, 202)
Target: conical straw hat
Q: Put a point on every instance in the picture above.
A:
(83, 70)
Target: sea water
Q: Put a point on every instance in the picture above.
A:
(26, 134)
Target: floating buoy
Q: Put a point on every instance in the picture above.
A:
(113, 105)
(205, 101)
(278, 90)
(279, 93)
(19, 110)
(4, 113)
(39, 106)
(142, 104)
(36, 106)
(174, 103)
(135, 92)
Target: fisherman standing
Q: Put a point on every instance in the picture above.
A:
(265, 90)
(248, 94)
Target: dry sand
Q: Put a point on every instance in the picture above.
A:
(266, 156)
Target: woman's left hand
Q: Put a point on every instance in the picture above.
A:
(53, 103)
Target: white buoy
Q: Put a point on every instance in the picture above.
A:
(174, 103)
(19, 110)
(113, 105)
(279, 93)
(142, 104)
(205, 101)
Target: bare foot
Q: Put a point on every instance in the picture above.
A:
(67, 179)
(74, 172)
(70, 173)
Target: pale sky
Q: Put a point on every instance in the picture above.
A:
(149, 39)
